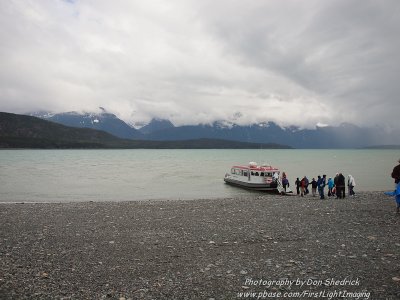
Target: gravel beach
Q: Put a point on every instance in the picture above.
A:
(257, 247)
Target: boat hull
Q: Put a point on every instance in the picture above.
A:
(265, 187)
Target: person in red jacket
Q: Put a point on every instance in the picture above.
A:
(303, 186)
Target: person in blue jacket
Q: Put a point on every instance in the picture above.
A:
(321, 182)
(331, 184)
(396, 193)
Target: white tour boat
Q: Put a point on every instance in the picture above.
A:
(254, 177)
(259, 178)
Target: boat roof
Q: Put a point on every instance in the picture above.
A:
(263, 168)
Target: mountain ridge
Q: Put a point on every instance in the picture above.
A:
(101, 121)
(21, 131)
(346, 135)
(156, 125)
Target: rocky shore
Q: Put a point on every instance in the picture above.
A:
(260, 246)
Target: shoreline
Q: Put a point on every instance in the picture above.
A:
(199, 249)
(251, 195)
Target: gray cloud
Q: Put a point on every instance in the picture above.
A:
(293, 62)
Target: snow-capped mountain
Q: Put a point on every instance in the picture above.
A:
(156, 125)
(343, 136)
(101, 121)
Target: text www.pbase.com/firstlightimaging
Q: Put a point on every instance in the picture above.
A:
(340, 289)
(323, 294)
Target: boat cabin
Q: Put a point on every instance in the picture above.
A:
(255, 173)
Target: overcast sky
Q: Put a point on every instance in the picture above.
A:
(197, 61)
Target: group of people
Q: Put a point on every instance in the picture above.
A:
(336, 185)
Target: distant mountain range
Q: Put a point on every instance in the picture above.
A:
(343, 136)
(101, 121)
(21, 131)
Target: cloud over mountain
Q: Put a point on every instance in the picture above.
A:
(291, 62)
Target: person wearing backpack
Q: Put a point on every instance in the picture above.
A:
(285, 182)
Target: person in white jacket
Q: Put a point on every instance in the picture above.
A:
(351, 183)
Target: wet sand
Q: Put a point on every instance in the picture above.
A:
(202, 249)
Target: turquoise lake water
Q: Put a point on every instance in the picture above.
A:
(124, 175)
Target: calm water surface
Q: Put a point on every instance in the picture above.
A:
(123, 175)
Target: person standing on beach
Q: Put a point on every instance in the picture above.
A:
(321, 182)
(313, 187)
(341, 186)
(330, 187)
(285, 181)
(335, 190)
(323, 185)
(396, 193)
(306, 183)
(396, 173)
(351, 183)
(303, 186)
(297, 182)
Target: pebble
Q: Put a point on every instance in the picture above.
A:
(397, 279)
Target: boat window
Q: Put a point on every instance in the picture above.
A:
(233, 171)
(245, 173)
(268, 174)
(262, 174)
(256, 174)
(237, 172)
(252, 173)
